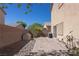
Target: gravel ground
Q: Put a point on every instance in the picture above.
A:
(52, 53)
(45, 46)
(42, 46)
(26, 49)
(20, 48)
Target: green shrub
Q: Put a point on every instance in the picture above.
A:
(36, 29)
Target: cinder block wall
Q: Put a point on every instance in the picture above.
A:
(9, 35)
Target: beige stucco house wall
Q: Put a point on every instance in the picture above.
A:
(2, 14)
(65, 18)
(47, 26)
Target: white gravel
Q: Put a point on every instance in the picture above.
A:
(26, 49)
(38, 46)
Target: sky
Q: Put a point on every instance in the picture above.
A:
(41, 13)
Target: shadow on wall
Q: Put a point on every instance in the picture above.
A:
(11, 40)
(12, 49)
(9, 35)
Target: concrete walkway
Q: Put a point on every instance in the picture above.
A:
(47, 44)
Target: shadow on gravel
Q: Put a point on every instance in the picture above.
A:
(52, 53)
(13, 48)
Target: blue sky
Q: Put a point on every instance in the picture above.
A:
(41, 13)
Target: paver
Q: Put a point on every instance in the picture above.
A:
(48, 44)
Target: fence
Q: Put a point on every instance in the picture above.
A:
(9, 35)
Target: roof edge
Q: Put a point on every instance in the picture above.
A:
(3, 10)
(52, 6)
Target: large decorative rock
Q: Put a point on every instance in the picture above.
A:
(27, 36)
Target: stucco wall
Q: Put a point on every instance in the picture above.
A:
(1, 17)
(69, 15)
(9, 35)
(57, 17)
(71, 18)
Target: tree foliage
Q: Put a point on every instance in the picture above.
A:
(35, 28)
(19, 5)
(22, 23)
